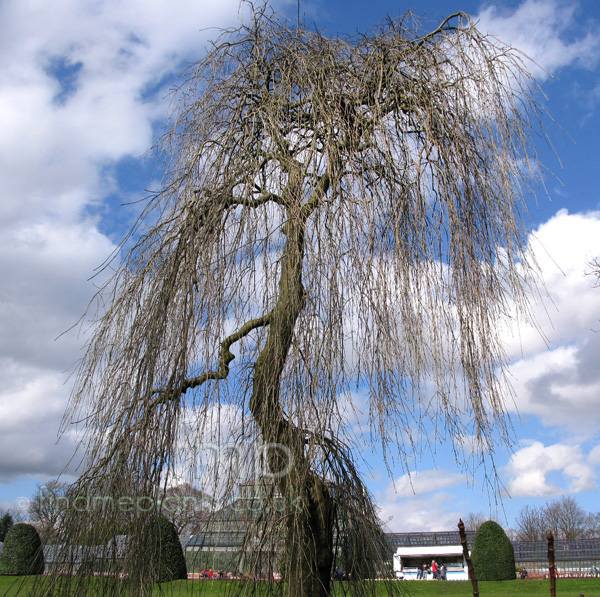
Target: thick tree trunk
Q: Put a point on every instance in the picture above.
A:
(309, 544)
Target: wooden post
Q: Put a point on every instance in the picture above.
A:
(551, 568)
(465, 548)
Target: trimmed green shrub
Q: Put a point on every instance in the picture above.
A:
(5, 523)
(22, 553)
(169, 559)
(493, 555)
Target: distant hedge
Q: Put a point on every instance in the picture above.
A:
(22, 552)
(493, 555)
(169, 561)
(5, 523)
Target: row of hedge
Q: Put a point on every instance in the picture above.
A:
(23, 554)
(492, 554)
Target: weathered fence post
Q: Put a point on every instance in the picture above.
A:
(551, 568)
(465, 548)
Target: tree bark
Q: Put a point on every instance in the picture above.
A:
(551, 565)
(465, 548)
(309, 543)
(309, 548)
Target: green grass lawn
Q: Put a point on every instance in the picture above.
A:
(566, 587)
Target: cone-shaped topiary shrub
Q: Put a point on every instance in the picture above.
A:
(5, 523)
(169, 558)
(22, 553)
(493, 555)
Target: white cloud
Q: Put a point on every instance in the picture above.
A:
(82, 87)
(420, 483)
(51, 152)
(561, 387)
(530, 470)
(594, 456)
(542, 30)
(45, 271)
(32, 404)
(437, 512)
(44, 291)
(560, 381)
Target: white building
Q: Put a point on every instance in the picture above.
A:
(407, 560)
(415, 549)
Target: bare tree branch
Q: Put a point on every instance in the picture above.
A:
(226, 357)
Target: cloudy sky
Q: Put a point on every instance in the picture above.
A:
(83, 96)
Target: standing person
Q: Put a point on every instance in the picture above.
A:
(443, 571)
(420, 568)
(434, 569)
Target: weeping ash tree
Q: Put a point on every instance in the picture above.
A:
(337, 214)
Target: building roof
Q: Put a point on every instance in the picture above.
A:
(396, 540)
(216, 540)
(430, 550)
(79, 553)
(564, 549)
(525, 551)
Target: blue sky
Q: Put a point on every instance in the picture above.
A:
(83, 96)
